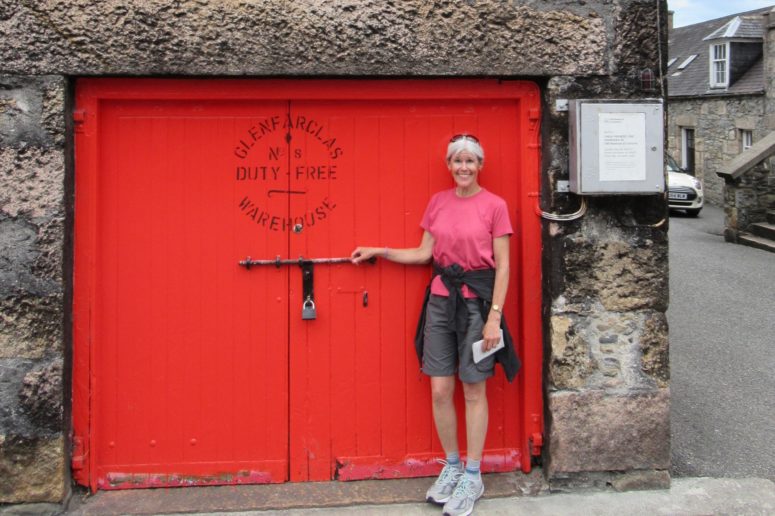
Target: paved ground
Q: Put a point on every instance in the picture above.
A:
(687, 496)
(722, 352)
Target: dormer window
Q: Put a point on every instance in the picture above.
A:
(719, 75)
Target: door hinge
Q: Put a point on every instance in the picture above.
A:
(536, 442)
(79, 118)
(79, 455)
(536, 439)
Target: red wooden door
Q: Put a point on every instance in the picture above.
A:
(191, 369)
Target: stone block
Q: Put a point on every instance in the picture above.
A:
(12, 419)
(40, 397)
(31, 509)
(32, 326)
(32, 469)
(749, 123)
(32, 182)
(32, 112)
(621, 270)
(635, 41)
(570, 363)
(684, 120)
(599, 431)
(641, 480)
(655, 351)
(636, 480)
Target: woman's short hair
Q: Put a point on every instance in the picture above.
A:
(462, 143)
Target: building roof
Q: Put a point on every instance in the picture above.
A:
(746, 27)
(692, 79)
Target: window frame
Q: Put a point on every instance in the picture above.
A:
(719, 65)
(746, 139)
(688, 160)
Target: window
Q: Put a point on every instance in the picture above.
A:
(687, 61)
(647, 82)
(718, 66)
(687, 149)
(746, 139)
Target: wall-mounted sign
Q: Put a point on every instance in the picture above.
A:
(616, 147)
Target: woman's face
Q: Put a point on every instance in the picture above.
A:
(465, 169)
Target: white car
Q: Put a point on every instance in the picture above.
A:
(684, 191)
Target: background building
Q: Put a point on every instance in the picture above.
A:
(717, 91)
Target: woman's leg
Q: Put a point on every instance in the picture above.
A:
(442, 390)
(476, 417)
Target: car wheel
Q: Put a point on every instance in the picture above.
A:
(693, 213)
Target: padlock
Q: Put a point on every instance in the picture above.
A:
(308, 311)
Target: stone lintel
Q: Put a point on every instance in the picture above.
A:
(686, 120)
(326, 37)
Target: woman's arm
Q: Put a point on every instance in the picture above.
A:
(411, 256)
(500, 246)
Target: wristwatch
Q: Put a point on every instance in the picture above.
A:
(497, 308)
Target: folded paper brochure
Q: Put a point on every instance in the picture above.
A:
(480, 355)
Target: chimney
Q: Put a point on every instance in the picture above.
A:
(670, 21)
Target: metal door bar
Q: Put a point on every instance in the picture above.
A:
(308, 311)
(301, 261)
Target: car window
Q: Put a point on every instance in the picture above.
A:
(672, 165)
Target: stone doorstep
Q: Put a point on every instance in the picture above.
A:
(763, 229)
(287, 496)
(31, 509)
(758, 242)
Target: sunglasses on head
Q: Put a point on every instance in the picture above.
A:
(462, 137)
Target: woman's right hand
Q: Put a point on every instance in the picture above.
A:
(366, 253)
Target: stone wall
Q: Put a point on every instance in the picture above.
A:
(717, 123)
(748, 199)
(32, 235)
(605, 276)
(607, 371)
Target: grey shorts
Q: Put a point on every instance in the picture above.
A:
(443, 354)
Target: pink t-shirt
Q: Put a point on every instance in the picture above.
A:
(463, 229)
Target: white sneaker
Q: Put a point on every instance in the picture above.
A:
(465, 495)
(442, 489)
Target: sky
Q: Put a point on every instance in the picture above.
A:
(688, 12)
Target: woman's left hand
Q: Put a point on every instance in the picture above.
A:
(491, 333)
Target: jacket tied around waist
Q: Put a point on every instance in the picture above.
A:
(480, 282)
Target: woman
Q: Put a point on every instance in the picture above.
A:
(466, 232)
